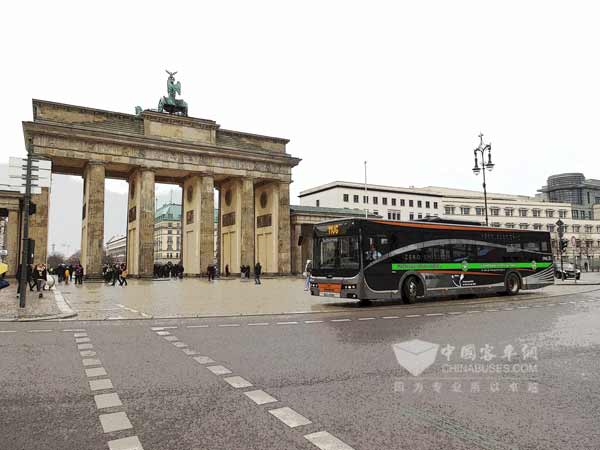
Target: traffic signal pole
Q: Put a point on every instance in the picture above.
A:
(25, 253)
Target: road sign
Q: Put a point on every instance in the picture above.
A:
(41, 175)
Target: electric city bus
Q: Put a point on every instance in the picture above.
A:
(377, 259)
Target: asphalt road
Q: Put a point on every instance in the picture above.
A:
(332, 381)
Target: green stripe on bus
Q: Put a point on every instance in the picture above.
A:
(465, 266)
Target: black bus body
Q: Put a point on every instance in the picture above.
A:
(375, 259)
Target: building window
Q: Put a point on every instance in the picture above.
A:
(427, 205)
(589, 244)
(318, 203)
(562, 214)
(401, 202)
(346, 197)
(588, 228)
(434, 205)
(575, 214)
(523, 226)
(537, 226)
(576, 228)
(355, 198)
(376, 212)
(420, 216)
(411, 216)
(478, 211)
(389, 215)
(411, 203)
(597, 228)
(496, 224)
(550, 228)
(419, 204)
(365, 199)
(375, 200)
(171, 231)
(449, 210)
(508, 212)
(495, 211)
(537, 212)
(393, 202)
(549, 213)
(465, 211)
(509, 225)
(384, 200)
(522, 212)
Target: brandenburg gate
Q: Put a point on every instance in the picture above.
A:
(252, 174)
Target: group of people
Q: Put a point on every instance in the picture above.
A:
(114, 273)
(245, 271)
(37, 277)
(168, 270)
(66, 273)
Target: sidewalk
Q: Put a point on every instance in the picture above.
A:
(51, 306)
(587, 279)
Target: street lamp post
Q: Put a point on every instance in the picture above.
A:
(489, 165)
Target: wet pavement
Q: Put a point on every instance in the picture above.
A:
(506, 373)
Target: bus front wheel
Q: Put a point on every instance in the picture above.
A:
(410, 290)
(513, 284)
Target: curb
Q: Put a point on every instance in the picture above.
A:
(66, 312)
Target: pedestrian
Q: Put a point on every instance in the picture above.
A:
(257, 272)
(39, 275)
(67, 275)
(116, 274)
(3, 282)
(123, 277)
(307, 273)
(227, 270)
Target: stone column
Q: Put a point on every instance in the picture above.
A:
(146, 224)
(247, 223)
(92, 224)
(12, 243)
(140, 228)
(207, 221)
(284, 266)
(38, 226)
(296, 250)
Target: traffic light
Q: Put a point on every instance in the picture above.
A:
(32, 208)
(563, 245)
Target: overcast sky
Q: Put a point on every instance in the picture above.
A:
(407, 86)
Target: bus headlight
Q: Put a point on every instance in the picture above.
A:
(349, 286)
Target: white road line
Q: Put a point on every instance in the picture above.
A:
(87, 353)
(70, 330)
(413, 315)
(144, 315)
(219, 370)
(115, 318)
(229, 325)
(290, 417)
(326, 441)
(287, 323)
(313, 321)
(508, 309)
(366, 318)
(260, 397)
(573, 302)
(562, 303)
(115, 422)
(434, 314)
(91, 362)
(473, 311)
(522, 307)
(340, 320)
(96, 372)
(163, 333)
(157, 328)
(133, 310)
(537, 306)
(98, 385)
(550, 304)
(203, 360)
(197, 326)
(258, 324)
(84, 346)
(107, 400)
(7, 331)
(390, 317)
(82, 340)
(40, 331)
(492, 310)
(179, 344)
(79, 335)
(455, 312)
(171, 338)
(237, 382)
(189, 351)
(128, 443)
(170, 328)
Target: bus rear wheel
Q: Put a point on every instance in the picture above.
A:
(410, 290)
(513, 284)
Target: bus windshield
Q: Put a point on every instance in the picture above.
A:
(339, 252)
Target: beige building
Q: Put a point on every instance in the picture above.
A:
(167, 234)
(116, 248)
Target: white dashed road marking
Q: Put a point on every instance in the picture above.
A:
(163, 333)
(197, 326)
(390, 317)
(258, 324)
(40, 331)
(313, 321)
(91, 362)
(7, 331)
(82, 340)
(260, 397)
(87, 353)
(95, 372)
(413, 315)
(237, 382)
(84, 346)
(170, 338)
(80, 335)
(326, 441)
(179, 344)
(434, 314)
(290, 417)
(455, 312)
(340, 320)
(367, 318)
(287, 323)
(229, 325)
(115, 422)
(99, 385)
(107, 400)
(203, 360)
(219, 370)
(128, 443)
(189, 351)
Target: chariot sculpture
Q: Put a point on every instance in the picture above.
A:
(171, 104)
